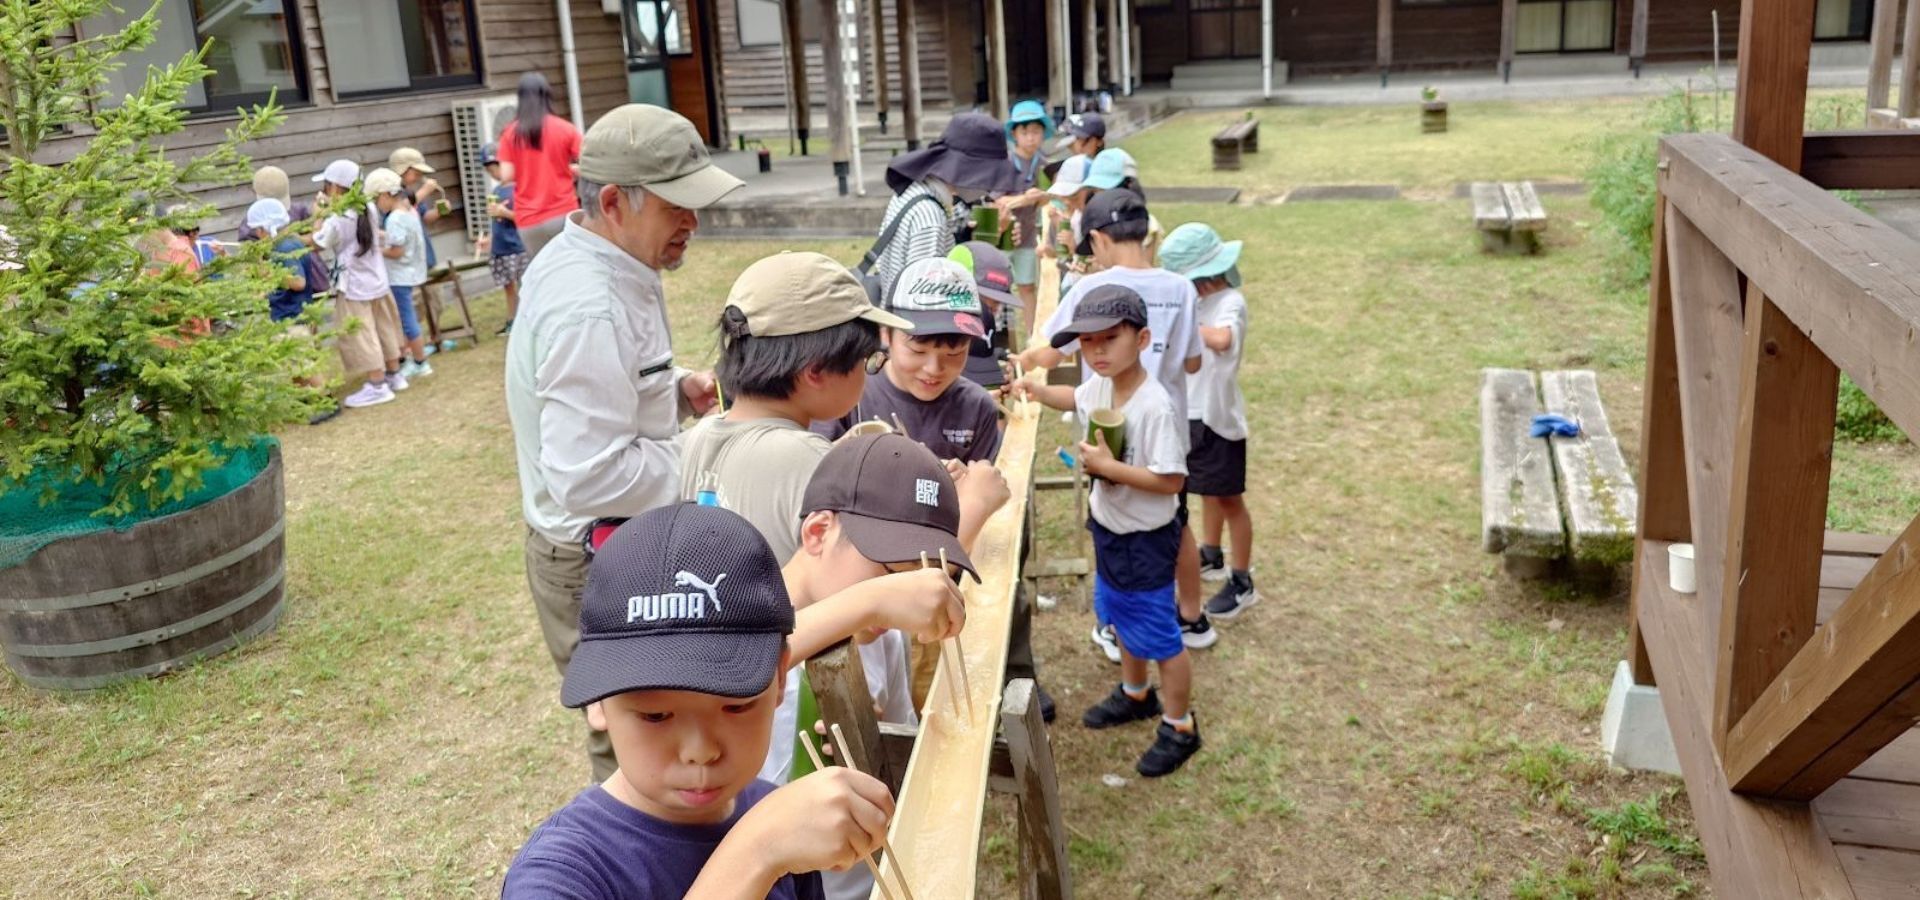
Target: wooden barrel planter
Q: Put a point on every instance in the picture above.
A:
(110, 606)
(1433, 117)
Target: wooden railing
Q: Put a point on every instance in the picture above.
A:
(1767, 287)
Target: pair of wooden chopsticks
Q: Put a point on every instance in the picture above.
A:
(845, 758)
(950, 648)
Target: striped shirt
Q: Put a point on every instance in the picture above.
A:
(927, 231)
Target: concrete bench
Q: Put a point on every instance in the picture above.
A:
(1550, 501)
(1509, 216)
(1240, 137)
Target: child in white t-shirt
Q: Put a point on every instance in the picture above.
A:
(1135, 523)
(1217, 413)
(404, 247)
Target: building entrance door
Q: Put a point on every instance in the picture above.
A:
(1223, 29)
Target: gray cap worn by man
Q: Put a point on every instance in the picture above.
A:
(592, 392)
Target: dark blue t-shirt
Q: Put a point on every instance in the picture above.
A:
(283, 303)
(597, 847)
(506, 235)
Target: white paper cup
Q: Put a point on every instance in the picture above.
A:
(1680, 568)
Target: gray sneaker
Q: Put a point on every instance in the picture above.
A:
(1233, 598)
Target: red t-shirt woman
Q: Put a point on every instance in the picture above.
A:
(542, 149)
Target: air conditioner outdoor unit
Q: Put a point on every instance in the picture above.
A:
(477, 123)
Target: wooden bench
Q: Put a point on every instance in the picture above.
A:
(1548, 501)
(1509, 216)
(1240, 137)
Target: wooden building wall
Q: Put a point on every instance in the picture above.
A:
(756, 77)
(516, 36)
(1433, 37)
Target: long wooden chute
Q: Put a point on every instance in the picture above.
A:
(936, 824)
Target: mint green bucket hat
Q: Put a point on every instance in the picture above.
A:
(1194, 251)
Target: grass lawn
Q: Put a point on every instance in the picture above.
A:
(1396, 719)
(1301, 145)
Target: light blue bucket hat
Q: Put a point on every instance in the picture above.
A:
(1029, 111)
(1109, 169)
(1195, 251)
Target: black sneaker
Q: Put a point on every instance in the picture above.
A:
(1198, 634)
(1233, 598)
(1119, 709)
(1171, 749)
(504, 329)
(329, 415)
(1213, 563)
(1046, 703)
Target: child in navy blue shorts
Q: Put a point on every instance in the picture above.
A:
(1136, 536)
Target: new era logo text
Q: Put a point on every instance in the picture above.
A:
(926, 492)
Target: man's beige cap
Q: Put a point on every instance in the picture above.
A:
(798, 293)
(271, 182)
(638, 145)
(408, 158)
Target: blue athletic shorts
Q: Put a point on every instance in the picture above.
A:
(1148, 622)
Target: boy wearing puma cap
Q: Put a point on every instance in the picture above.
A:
(920, 387)
(684, 626)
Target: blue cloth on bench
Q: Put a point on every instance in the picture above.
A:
(1550, 423)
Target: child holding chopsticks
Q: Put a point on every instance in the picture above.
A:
(684, 645)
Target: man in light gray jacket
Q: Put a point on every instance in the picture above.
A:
(592, 391)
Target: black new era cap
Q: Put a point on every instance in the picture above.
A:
(894, 498)
(1102, 308)
(681, 598)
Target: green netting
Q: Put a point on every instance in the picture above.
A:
(26, 524)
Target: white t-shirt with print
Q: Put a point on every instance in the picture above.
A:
(1171, 301)
(1156, 441)
(1213, 393)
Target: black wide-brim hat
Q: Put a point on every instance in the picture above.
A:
(971, 153)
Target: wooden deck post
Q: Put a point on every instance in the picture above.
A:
(1090, 45)
(1910, 64)
(1776, 523)
(1637, 38)
(1509, 23)
(1664, 509)
(839, 684)
(831, 50)
(877, 33)
(907, 26)
(1113, 44)
(791, 33)
(997, 58)
(1886, 25)
(1059, 58)
(1383, 40)
(1044, 873)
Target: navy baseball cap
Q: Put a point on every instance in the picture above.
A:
(680, 598)
(1102, 308)
(1082, 125)
(489, 154)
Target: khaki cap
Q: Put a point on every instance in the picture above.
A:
(383, 181)
(408, 158)
(638, 145)
(271, 182)
(798, 293)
